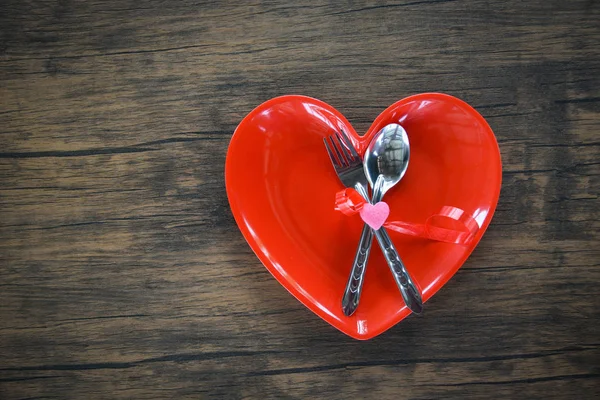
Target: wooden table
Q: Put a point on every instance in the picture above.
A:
(123, 274)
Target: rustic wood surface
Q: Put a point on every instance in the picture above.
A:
(123, 274)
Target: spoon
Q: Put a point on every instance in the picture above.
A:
(385, 163)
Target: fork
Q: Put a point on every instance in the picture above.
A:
(349, 168)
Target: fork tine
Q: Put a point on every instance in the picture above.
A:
(332, 157)
(336, 146)
(344, 148)
(349, 144)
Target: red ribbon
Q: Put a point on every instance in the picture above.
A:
(349, 202)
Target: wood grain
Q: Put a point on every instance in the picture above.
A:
(123, 274)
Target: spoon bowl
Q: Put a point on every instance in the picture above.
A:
(387, 155)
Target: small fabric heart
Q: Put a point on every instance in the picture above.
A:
(375, 215)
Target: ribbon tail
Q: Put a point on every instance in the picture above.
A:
(405, 228)
(431, 231)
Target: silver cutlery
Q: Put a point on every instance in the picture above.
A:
(385, 163)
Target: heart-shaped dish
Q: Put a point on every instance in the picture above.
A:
(281, 188)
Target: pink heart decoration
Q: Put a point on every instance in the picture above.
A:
(375, 215)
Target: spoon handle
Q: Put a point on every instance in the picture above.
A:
(357, 275)
(408, 289)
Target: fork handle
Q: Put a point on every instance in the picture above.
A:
(408, 288)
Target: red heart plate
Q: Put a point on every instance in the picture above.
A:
(282, 188)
